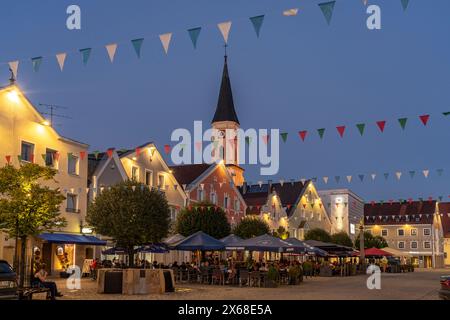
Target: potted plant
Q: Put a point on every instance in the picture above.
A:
(294, 275)
(272, 277)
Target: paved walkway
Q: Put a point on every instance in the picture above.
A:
(420, 285)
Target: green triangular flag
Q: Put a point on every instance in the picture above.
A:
(44, 157)
(96, 153)
(321, 132)
(405, 4)
(386, 176)
(361, 177)
(327, 10)
(194, 33)
(440, 198)
(412, 174)
(137, 44)
(402, 122)
(446, 113)
(85, 54)
(257, 23)
(284, 136)
(36, 63)
(361, 127)
(337, 178)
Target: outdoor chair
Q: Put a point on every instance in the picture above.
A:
(244, 277)
(255, 279)
(192, 275)
(218, 277)
(284, 277)
(204, 276)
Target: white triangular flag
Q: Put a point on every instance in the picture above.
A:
(224, 28)
(325, 179)
(399, 175)
(111, 48)
(290, 12)
(61, 57)
(373, 176)
(365, 2)
(281, 182)
(165, 40)
(14, 65)
(303, 180)
(426, 173)
(349, 179)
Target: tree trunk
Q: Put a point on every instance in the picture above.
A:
(23, 261)
(131, 257)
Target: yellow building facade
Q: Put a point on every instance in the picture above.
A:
(28, 137)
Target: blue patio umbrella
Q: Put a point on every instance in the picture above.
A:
(265, 243)
(114, 251)
(231, 239)
(307, 248)
(153, 248)
(200, 241)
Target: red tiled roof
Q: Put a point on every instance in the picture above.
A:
(444, 209)
(418, 212)
(186, 174)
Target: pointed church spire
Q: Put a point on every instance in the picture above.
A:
(225, 107)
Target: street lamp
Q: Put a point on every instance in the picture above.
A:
(362, 254)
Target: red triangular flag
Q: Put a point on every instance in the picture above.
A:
(167, 149)
(425, 119)
(110, 153)
(303, 135)
(82, 155)
(56, 156)
(410, 200)
(138, 152)
(381, 125)
(32, 158)
(8, 159)
(341, 130)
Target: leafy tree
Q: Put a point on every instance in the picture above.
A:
(281, 233)
(28, 207)
(342, 238)
(318, 234)
(131, 214)
(250, 227)
(371, 242)
(205, 217)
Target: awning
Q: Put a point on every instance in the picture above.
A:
(65, 238)
(200, 241)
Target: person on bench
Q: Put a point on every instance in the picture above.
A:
(41, 278)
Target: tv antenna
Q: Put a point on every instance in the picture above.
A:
(51, 112)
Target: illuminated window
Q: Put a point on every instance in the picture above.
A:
(414, 232)
(134, 173)
(213, 198)
(225, 202)
(72, 203)
(73, 165)
(236, 205)
(427, 232)
(149, 178)
(27, 153)
(161, 181)
(50, 158)
(200, 194)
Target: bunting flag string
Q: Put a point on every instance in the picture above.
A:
(326, 8)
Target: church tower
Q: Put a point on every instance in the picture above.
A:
(225, 119)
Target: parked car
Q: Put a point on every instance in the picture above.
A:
(8, 281)
(444, 293)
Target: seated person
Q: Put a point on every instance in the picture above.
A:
(41, 278)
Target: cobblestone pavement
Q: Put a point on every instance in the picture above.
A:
(420, 285)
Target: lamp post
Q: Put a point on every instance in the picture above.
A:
(362, 255)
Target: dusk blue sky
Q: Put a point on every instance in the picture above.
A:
(299, 75)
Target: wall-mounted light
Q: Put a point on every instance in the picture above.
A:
(86, 230)
(13, 96)
(45, 123)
